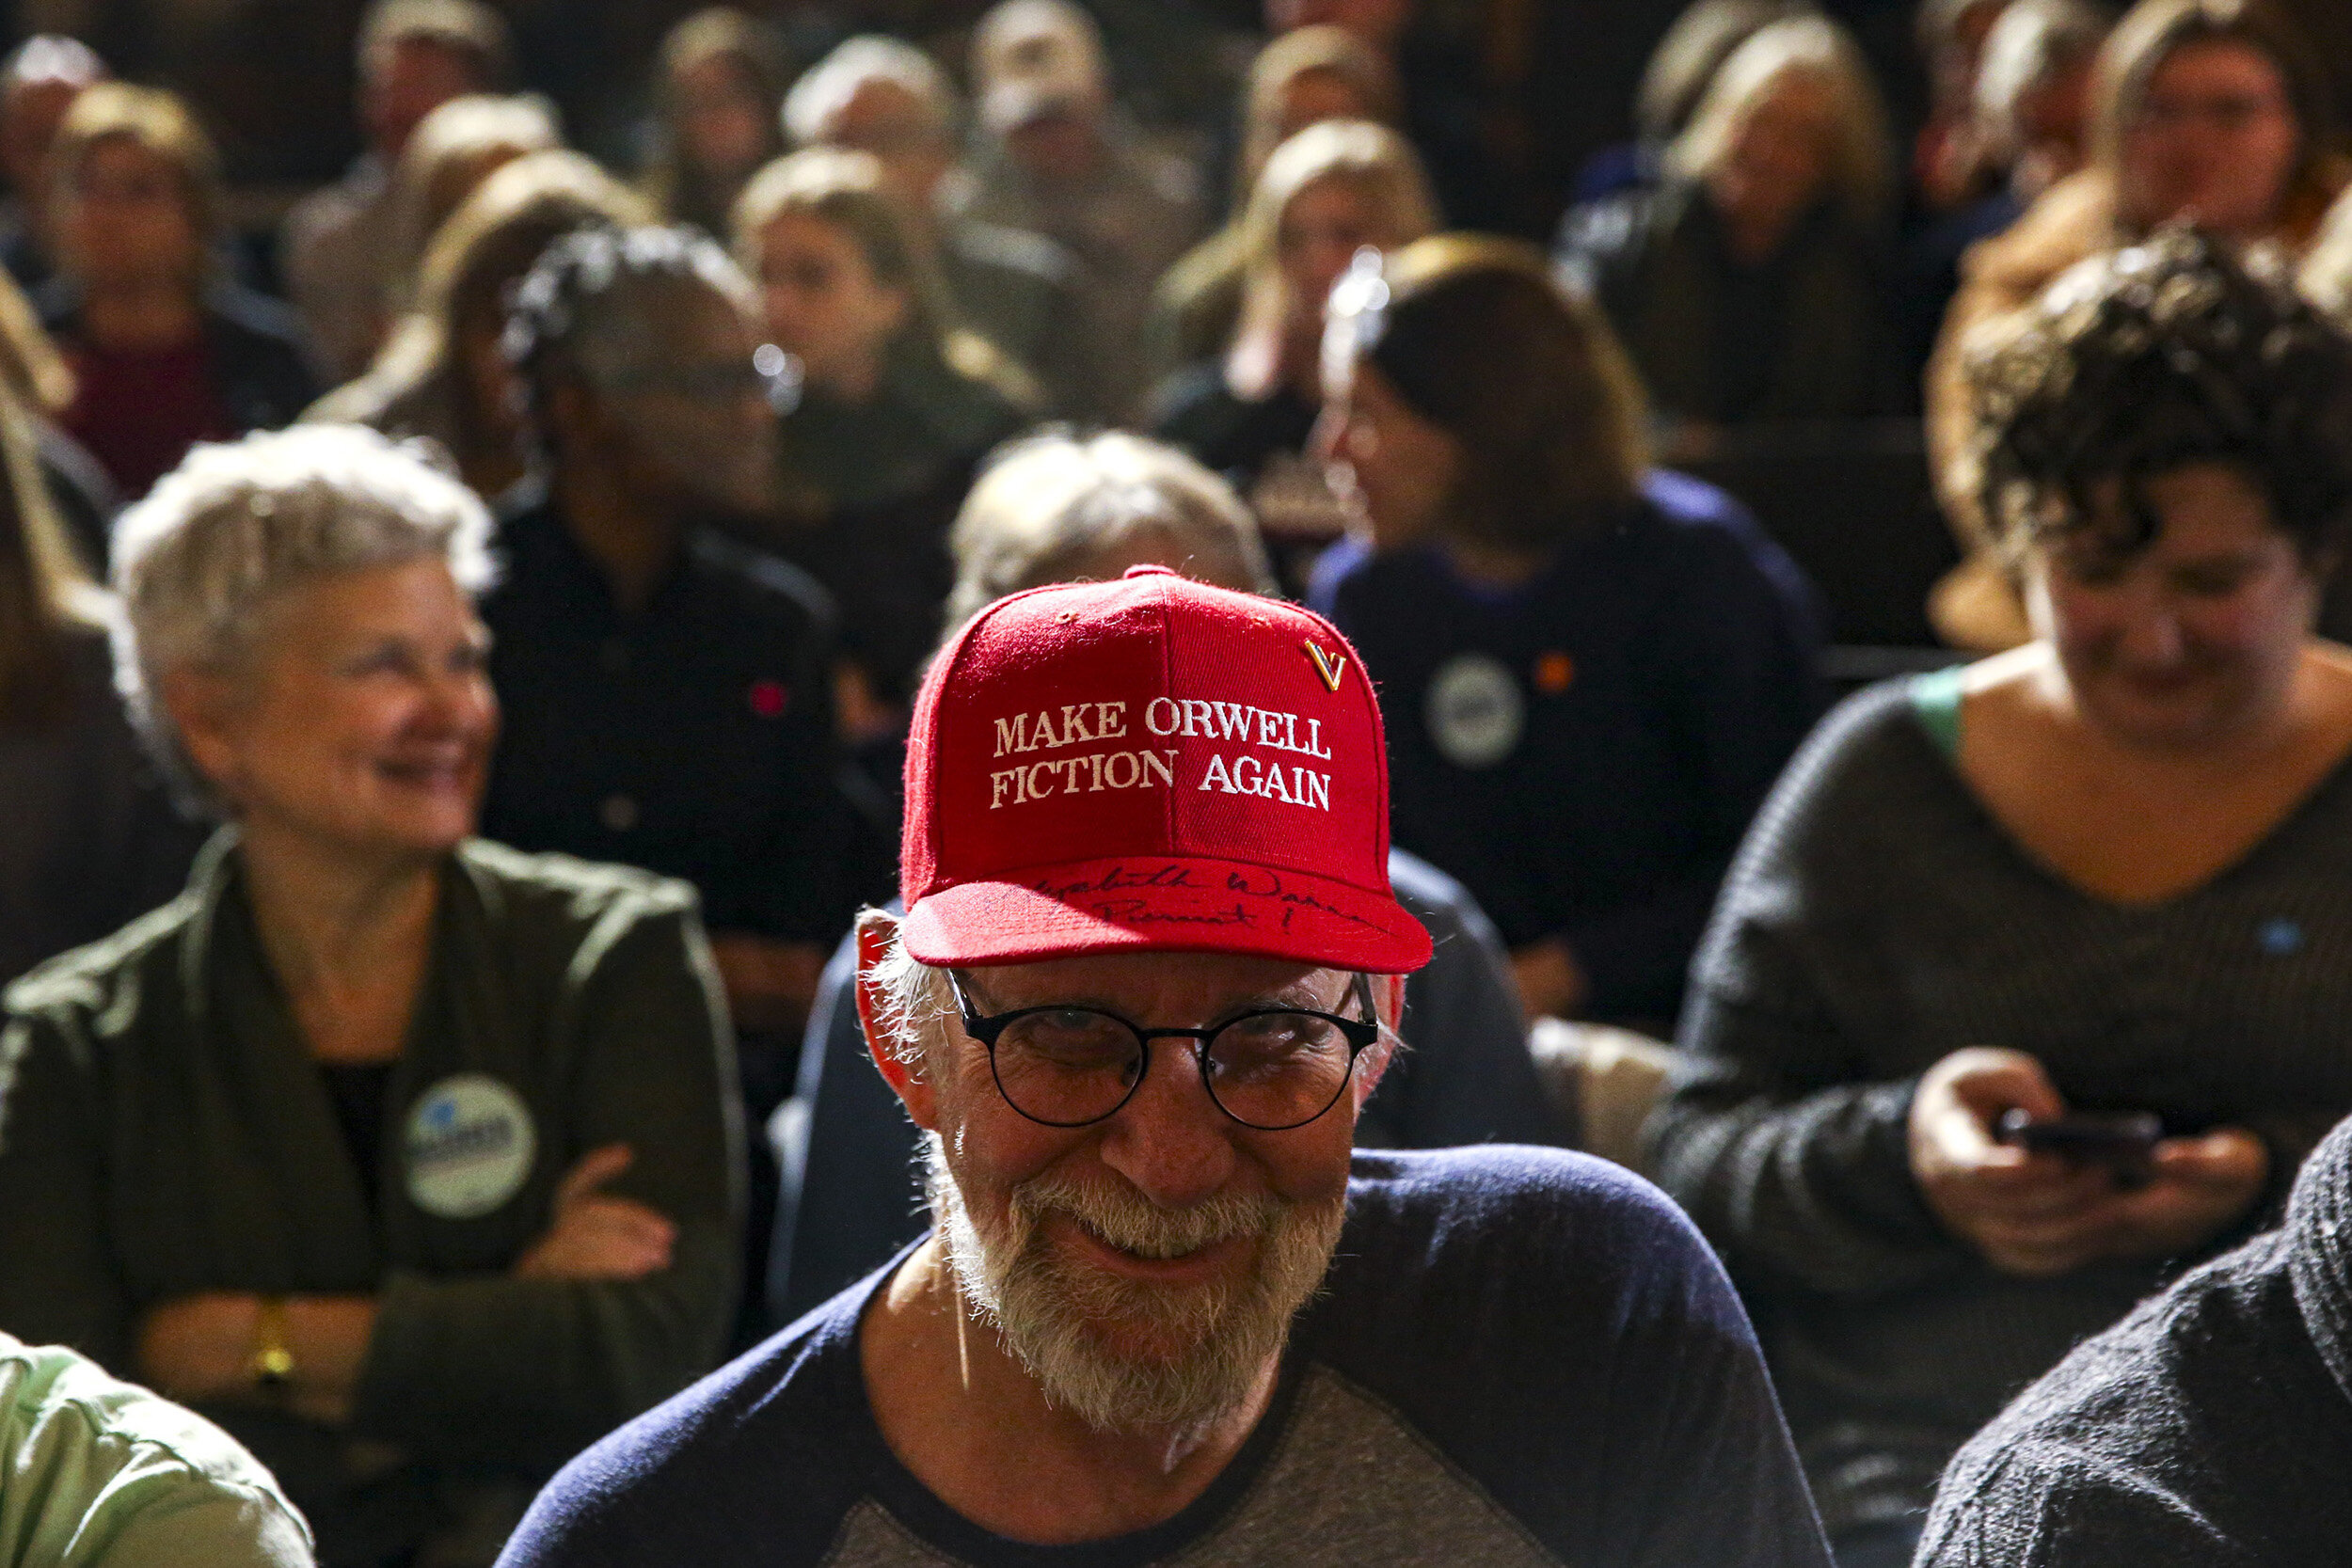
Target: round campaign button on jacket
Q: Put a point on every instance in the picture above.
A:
(1475, 712)
(470, 1143)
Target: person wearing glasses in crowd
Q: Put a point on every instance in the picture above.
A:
(1149, 974)
(406, 1158)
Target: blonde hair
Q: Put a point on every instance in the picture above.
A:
(486, 246)
(846, 190)
(1047, 505)
(1811, 46)
(1372, 159)
(444, 163)
(31, 369)
(1687, 57)
(162, 123)
(677, 190)
(2032, 42)
(44, 590)
(827, 87)
(1305, 52)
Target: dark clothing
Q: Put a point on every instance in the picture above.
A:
(853, 1190)
(1019, 290)
(1586, 750)
(1198, 412)
(164, 1130)
(694, 740)
(1880, 919)
(92, 841)
(924, 423)
(1520, 1356)
(2212, 1426)
(139, 411)
(1801, 336)
(1931, 274)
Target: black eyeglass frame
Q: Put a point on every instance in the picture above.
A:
(988, 1028)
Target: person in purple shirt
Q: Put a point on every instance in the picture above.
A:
(1592, 670)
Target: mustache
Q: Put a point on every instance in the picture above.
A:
(1133, 1224)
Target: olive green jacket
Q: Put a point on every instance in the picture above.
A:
(164, 1132)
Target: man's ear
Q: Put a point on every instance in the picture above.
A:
(1387, 1003)
(203, 705)
(875, 931)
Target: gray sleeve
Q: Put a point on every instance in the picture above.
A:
(2045, 1506)
(1778, 1136)
(530, 1371)
(1466, 1075)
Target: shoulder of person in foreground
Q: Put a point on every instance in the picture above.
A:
(758, 1462)
(97, 1473)
(1558, 1330)
(2213, 1425)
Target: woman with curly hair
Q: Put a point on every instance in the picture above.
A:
(2098, 876)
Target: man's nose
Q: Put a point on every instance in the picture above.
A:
(1170, 1139)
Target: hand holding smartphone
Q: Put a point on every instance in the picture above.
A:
(2124, 1140)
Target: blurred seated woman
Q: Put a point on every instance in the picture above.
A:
(1591, 671)
(442, 374)
(2211, 112)
(1751, 284)
(166, 351)
(405, 1157)
(1057, 509)
(2103, 873)
(718, 95)
(451, 152)
(898, 400)
(1249, 412)
(1302, 78)
(92, 841)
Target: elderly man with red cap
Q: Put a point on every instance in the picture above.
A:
(1150, 968)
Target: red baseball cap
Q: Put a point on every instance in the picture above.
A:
(1150, 765)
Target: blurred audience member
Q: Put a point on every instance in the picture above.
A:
(1751, 284)
(1248, 413)
(442, 374)
(1948, 164)
(898, 400)
(1018, 290)
(1679, 71)
(2213, 1425)
(38, 84)
(2211, 111)
(336, 251)
(91, 839)
(1592, 673)
(451, 152)
(1059, 159)
(1444, 111)
(717, 87)
(667, 690)
(1300, 79)
(1057, 509)
(97, 1473)
(2101, 874)
(166, 350)
(2031, 130)
(35, 374)
(405, 1157)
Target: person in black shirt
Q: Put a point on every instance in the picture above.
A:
(667, 688)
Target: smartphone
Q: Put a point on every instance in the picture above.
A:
(2122, 1140)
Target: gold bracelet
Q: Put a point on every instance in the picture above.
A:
(272, 1364)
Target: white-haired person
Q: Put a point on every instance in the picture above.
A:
(407, 1158)
(1055, 508)
(884, 96)
(1168, 1313)
(1750, 284)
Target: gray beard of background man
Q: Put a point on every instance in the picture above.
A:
(1214, 1342)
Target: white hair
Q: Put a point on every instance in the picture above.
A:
(827, 87)
(2030, 44)
(237, 524)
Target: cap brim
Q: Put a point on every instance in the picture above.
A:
(1169, 904)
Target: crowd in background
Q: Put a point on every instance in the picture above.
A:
(459, 630)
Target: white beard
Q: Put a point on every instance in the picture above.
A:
(1212, 1342)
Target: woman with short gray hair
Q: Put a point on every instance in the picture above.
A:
(377, 1132)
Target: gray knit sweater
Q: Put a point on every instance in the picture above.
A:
(1878, 919)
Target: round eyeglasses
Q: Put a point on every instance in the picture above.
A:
(1272, 1069)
